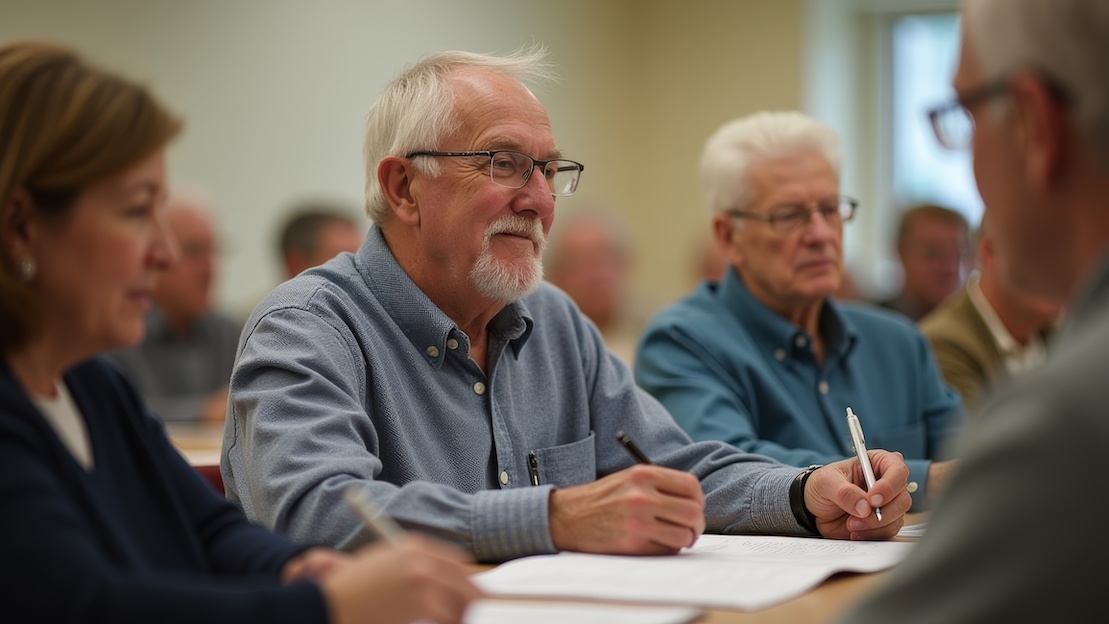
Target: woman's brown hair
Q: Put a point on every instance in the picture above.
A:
(64, 125)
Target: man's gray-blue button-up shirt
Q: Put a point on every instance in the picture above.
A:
(349, 375)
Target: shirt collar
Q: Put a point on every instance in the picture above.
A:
(427, 327)
(1016, 356)
(1005, 341)
(777, 336)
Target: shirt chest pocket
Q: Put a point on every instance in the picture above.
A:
(565, 465)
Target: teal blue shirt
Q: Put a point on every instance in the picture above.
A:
(728, 368)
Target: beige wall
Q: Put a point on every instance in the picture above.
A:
(275, 92)
(700, 64)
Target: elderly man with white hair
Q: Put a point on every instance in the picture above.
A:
(1020, 533)
(436, 372)
(765, 359)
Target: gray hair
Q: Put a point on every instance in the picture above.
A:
(415, 111)
(738, 145)
(1066, 40)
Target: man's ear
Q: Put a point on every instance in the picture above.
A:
(17, 225)
(394, 176)
(726, 233)
(1043, 131)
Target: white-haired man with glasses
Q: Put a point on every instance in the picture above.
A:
(765, 359)
(1019, 535)
(435, 372)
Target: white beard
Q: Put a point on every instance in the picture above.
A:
(514, 280)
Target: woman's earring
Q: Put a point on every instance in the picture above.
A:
(27, 269)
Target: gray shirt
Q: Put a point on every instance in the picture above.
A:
(349, 375)
(175, 374)
(1020, 532)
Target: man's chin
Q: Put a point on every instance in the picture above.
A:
(507, 281)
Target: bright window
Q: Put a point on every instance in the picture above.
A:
(925, 53)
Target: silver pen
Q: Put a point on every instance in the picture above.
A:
(860, 450)
(378, 523)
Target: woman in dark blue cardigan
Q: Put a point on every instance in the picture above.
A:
(102, 520)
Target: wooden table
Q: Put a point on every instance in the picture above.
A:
(828, 602)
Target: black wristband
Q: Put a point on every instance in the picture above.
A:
(801, 513)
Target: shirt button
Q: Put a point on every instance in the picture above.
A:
(452, 344)
(504, 478)
(800, 341)
(479, 388)
(433, 351)
(823, 387)
(779, 354)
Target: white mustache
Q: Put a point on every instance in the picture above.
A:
(518, 226)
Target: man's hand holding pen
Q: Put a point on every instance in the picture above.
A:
(642, 510)
(837, 495)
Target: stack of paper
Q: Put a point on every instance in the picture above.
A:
(731, 572)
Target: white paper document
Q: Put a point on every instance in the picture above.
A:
(515, 612)
(721, 571)
(913, 530)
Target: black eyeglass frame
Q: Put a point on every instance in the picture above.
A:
(981, 94)
(987, 91)
(491, 154)
(775, 219)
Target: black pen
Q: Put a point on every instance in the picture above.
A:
(633, 450)
(533, 467)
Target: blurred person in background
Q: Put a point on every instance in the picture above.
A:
(765, 359)
(314, 233)
(933, 245)
(589, 256)
(104, 521)
(183, 365)
(991, 329)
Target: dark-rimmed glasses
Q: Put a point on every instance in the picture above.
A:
(513, 169)
(835, 210)
(952, 121)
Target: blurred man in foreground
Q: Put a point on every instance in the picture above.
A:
(1022, 522)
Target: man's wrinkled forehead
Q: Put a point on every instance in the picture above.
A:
(485, 101)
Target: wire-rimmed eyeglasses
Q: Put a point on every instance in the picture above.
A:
(513, 169)
(835, 210)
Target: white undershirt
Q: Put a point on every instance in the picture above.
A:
(1017, 357)
(61, 412)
